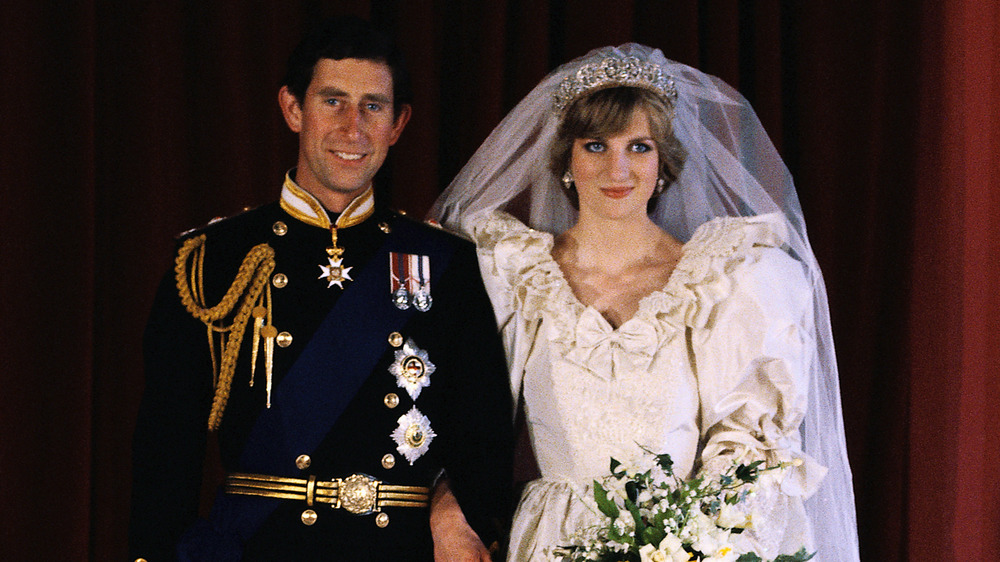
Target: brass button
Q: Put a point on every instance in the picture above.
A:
(279, 280)
(388, 461)
(395, 339)
(382, 520)
(140, 560)
(401, 212)
(280, 228)
(302, 462)
(384, 227)
(391, 400)
(308, 517)
(284, 339)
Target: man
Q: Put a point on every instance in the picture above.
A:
(345, 356)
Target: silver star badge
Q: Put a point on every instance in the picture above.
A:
(412, 369)
(336, 273)
(413, 435)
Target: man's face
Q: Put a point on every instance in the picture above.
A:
(345, 125)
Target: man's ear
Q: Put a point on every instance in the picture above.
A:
(401, 120)
(290, 108)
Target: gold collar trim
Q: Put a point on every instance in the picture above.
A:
(303, 206)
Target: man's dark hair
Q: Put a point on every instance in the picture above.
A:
(346, 37)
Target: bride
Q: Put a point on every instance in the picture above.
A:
(646, 256)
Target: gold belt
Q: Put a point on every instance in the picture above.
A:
(359, 493)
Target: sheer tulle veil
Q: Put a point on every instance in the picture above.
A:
(732, 169)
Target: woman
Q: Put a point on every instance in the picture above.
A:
(693, 322)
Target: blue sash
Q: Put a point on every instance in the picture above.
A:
(314, 393)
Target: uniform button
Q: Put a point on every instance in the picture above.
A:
(388, 461)
(384, 227)
(382, 520)
(395, 339)
(308, 517)
(302, 462)
(391, 400)
(279, 280)
(140, 560)
(284, 339)
(280, 228)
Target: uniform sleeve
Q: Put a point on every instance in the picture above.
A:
(168, 447)
(478, 450)
(752, 359)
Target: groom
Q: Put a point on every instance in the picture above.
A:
(345, 356)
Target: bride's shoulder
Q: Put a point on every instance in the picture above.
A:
(749, 255)
(738, 238)
(501, 230)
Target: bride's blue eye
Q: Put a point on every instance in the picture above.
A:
(594, 146)
(642, 147)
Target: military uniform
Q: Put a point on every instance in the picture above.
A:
(432, 397)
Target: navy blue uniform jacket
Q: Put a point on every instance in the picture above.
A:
(468, 401)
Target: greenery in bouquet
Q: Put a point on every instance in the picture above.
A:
(652, 515)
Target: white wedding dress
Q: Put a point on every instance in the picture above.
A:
(711, 367)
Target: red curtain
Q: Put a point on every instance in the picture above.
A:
(125, 123)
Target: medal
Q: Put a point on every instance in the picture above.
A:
(409, 276)
(422, 297)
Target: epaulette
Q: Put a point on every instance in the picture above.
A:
(435, 225)
(216, 221)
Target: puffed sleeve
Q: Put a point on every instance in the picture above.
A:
(507, 250)
(752, 357)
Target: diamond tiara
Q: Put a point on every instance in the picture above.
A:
(613, 71)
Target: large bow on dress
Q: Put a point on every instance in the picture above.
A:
(607, 352)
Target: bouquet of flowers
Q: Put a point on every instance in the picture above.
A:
(652, 515)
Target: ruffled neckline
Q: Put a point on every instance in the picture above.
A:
(524, 257)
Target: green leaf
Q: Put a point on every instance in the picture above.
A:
(666, 463)
(606, 505)
(632, 490)
(749, 557)
(614, 465)
(750, 472)
(640, 525)
(800, 556)
(653, 535)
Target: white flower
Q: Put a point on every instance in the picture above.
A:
(722, 554)
(731, 517)
(670, 549)
(649, 553)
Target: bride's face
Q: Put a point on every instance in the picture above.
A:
(616, 176)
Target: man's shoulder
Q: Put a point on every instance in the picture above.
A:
(240, 227)
(432, 233)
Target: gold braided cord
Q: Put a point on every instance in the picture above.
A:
(246, 290)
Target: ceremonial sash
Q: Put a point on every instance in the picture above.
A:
(315, 391)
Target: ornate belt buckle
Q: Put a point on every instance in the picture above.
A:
(357, 494)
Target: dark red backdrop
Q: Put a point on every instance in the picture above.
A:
(123, 124)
